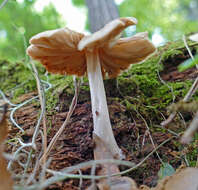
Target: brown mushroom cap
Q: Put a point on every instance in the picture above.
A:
(108, 33)
(57, 51)
(125, 52)
(63, 50)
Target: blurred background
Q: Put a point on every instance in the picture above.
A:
(165, 20)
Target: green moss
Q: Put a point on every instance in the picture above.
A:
(59, 84)
(175, 48)
(16, 78)
(192, 153)
(142, 82)
(140, 86)
(64, 85)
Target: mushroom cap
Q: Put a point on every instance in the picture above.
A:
(63, 51)
(57, 51)
(126, 51)
(108, 33)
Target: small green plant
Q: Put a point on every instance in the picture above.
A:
(166, 170)
(189, 63)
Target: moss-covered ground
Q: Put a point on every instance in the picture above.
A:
(140, 87)
(143, 94)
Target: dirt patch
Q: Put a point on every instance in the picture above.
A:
(75, 144)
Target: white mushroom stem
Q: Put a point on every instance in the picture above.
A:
(102, 125)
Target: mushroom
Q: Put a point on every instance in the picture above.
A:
(102, 53)
(117, 182)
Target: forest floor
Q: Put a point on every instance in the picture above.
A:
(138, 103)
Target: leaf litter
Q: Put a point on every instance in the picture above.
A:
(75, 145)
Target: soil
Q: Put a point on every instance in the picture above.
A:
(75, 145)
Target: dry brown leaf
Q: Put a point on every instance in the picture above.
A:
(5, 177)
(183, 179)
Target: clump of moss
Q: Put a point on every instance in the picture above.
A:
(16, 79)
(141, 88)
(192, 152)
(143, 83)
(59, 84)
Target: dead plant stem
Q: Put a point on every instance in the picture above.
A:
(3, 4)
(70, 112)
(42, 103)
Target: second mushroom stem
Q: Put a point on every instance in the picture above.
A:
(102, 125)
